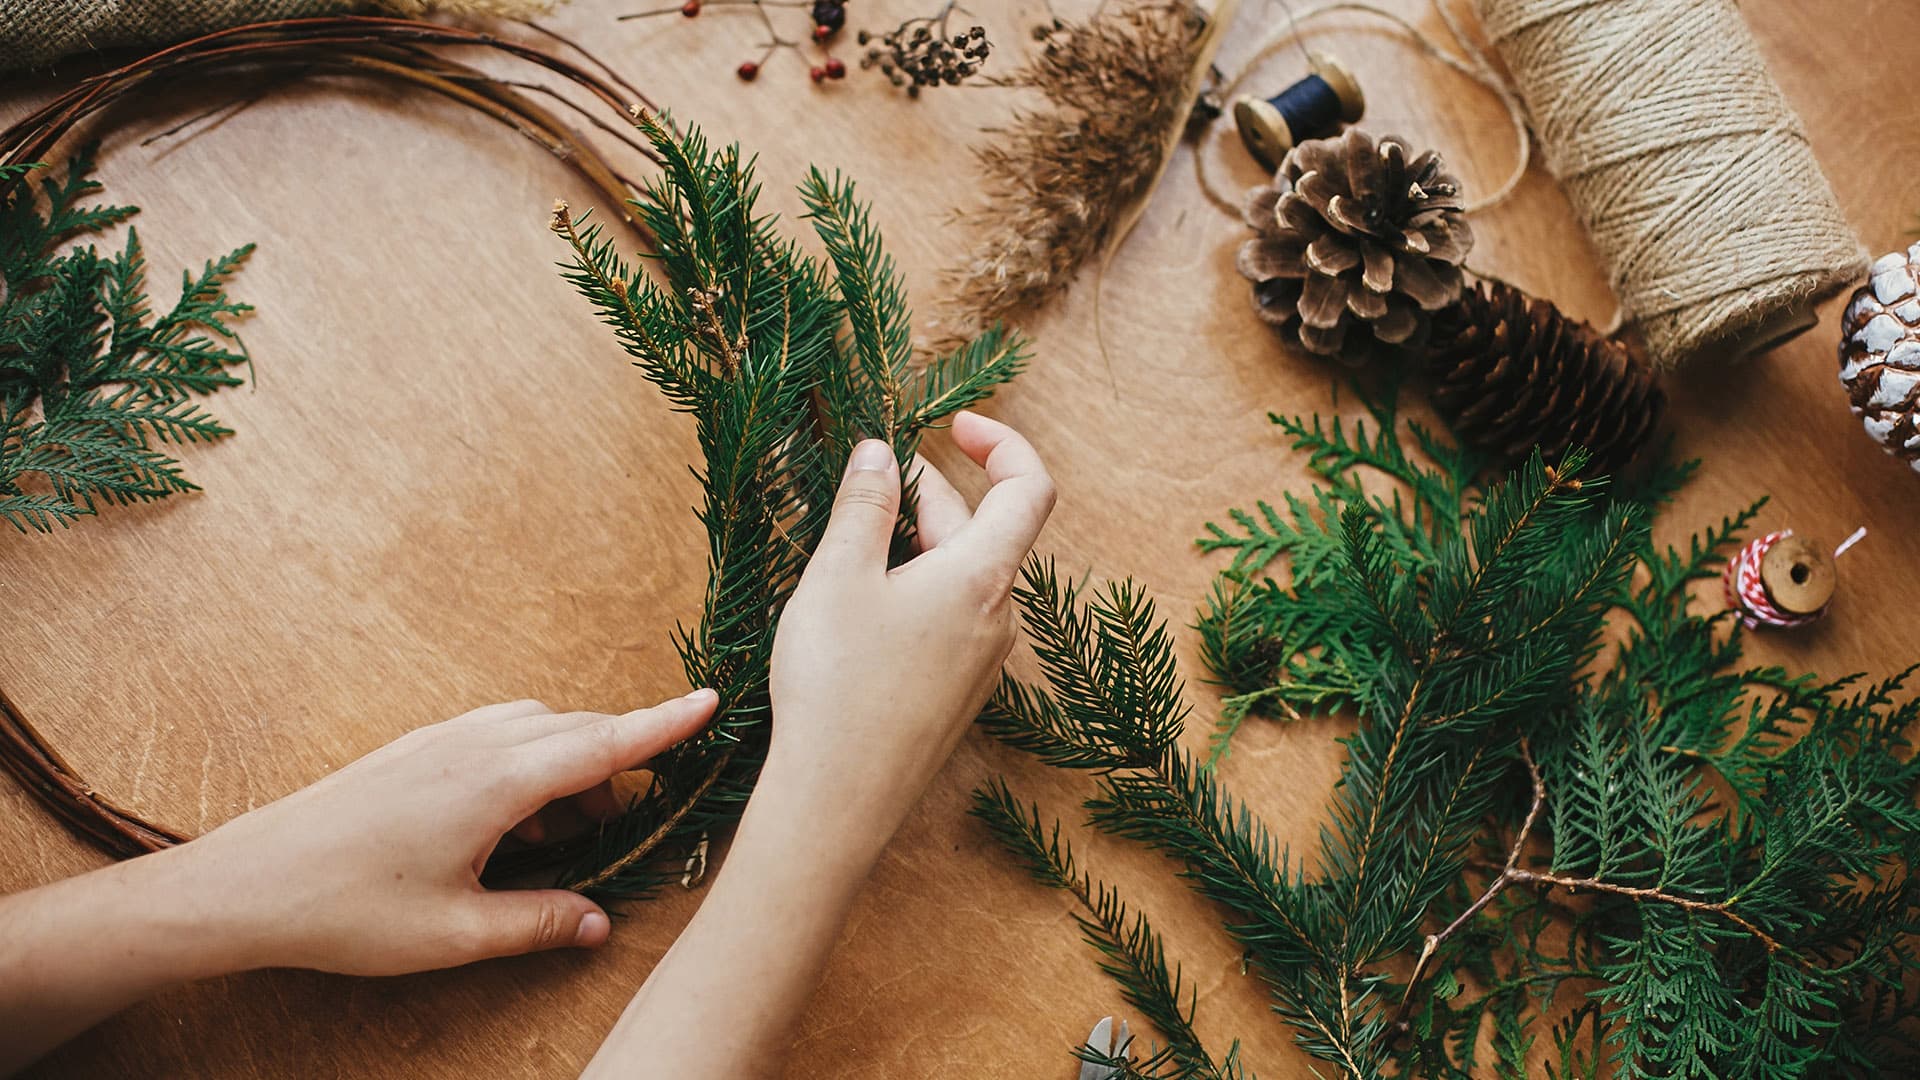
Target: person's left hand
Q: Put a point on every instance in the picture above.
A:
(375, 870)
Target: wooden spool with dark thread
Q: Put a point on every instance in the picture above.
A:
(1313, 108)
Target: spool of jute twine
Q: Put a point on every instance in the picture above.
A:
(1691, 173)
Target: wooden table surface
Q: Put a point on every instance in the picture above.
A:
(449, 489)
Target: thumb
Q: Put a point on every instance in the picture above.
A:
(515, 921)
(861, 528)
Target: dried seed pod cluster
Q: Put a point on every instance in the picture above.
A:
(920, 52)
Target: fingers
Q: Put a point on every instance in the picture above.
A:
(940, 510)
(861, 528)
(1012, 512)
(598, 803)
(511, 922)
(577, 758)
(505, 712)
(573, 816)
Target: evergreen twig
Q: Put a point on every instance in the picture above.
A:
(93, 383)
(784, 362)
(1740, 839)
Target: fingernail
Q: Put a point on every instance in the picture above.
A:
(703, 692)
(593, 930)
(870, 456)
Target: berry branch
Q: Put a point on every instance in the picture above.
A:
(827, 18)
(920, 52)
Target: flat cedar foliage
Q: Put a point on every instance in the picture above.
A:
(784, 362)
(1552, 850)
(93, 383)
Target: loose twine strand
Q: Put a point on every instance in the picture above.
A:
(1691, 173)
(1469, 62)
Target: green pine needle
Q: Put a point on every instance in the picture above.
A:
(1709, 863)
(783, 363)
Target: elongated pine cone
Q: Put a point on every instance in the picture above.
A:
(1511, 372)
(1355, 245)
(1880, 354)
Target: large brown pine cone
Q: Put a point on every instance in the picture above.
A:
(1355, 245)
(1511, 372)
(1880, 354)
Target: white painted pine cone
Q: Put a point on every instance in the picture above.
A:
(1880, 354)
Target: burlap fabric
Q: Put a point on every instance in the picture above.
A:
(35, 33)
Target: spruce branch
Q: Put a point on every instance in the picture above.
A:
(1131, 950)
(1716, 856)
(783, 363)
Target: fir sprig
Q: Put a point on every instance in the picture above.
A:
(92, 382)
(784, 362)
(1131, 950)
(1708, 862)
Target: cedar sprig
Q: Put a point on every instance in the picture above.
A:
(783, 362)
(94, 385)
(1632, 853)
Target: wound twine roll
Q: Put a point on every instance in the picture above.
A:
(1691, 172)
(1782, 581)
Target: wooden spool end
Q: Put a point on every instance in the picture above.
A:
(1263, 130)
(1268, 134)
(1773, 330)
(1353, 100)
(1799, 578)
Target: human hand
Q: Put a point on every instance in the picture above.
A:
(877, 672)
(375, 870)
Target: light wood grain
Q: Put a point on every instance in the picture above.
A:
(449, 488)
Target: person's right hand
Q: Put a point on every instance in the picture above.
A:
(375, 869)
(877, 672)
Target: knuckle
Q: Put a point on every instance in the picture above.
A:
(1004, 637)
(992, 586)
(548, 925)
(602, 741)
(861, 496)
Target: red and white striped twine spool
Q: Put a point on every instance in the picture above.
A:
(1747, 593)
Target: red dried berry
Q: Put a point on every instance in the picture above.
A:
(690, 8)
(836, 69)
(822, 33)
(747, 71)
(817, 74)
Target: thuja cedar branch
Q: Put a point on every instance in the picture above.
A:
(1512, 874)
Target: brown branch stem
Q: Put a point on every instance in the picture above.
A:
(1512, 874)
(660, 833)
(1722, 908)
(1506, 877)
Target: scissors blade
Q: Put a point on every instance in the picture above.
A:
(1099, 1042)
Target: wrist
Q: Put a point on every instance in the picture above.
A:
(804, 805)
(185, 921)
(96, 943)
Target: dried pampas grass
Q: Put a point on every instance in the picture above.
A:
(1062, 182)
